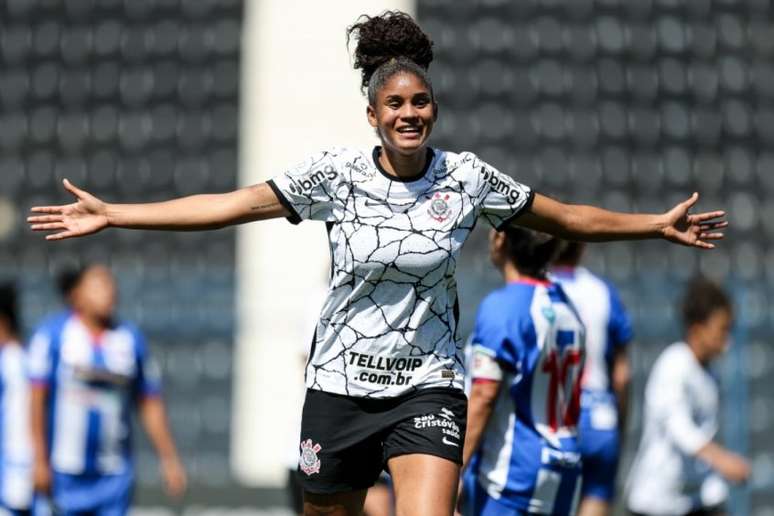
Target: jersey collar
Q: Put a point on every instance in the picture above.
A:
(378, 150)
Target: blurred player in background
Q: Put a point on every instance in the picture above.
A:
(680, 468)
(88, 372)
(605, 380)
(521, 451)
(15, 446)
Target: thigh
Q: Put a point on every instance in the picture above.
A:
(341, 446)
(336, 504)
(425, 485)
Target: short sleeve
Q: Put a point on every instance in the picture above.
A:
(619, 328)
(491, 336)
(308, 190)
(39, 364)
(148, 380)
(501, 198)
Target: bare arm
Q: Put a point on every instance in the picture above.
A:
(154, 420)
(730, 465)
(197, 212)
(483, 396)
(38, 426)
(591, 224)
(621, 378)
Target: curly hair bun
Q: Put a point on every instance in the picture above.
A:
(391, 35)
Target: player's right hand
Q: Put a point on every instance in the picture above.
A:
(41, 477)
(733, 467)
(85, 216)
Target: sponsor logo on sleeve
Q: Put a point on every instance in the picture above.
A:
(312, 179)
(502, 184)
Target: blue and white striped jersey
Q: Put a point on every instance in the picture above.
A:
(608, 326)
(529, 337)
(94, 382)
(15, 445)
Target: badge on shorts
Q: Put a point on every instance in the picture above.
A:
(309, 463)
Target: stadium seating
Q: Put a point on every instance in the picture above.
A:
(131, 100)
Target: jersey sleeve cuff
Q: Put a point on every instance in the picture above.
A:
(294, 217)
(518, 213)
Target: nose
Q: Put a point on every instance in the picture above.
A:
(408, 112)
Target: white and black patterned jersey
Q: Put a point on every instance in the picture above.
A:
(388, 325)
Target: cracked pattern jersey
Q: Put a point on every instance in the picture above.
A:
(388, 325)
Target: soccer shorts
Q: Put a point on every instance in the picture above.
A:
(100, 495)
(476, 502)
(599, 447)
(347, 441)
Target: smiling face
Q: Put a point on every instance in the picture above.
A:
(403, 114)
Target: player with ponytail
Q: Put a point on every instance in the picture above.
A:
(385, 375)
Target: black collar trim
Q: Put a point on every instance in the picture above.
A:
(430, 156)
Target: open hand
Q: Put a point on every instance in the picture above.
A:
(85, 216)
(694, 230)
(175, 479)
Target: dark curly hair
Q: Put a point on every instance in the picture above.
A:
(530, 251)
(701, 299)
(388, 44)
(8, 306)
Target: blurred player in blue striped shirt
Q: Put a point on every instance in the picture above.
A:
(15, 450)
(88, 373)
(606, 375)
(521, 452)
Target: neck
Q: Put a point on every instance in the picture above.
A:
(401, 165)
(6, 336)
(95, 325)
(695, 346)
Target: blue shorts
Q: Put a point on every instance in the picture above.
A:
(476, 502)
(600, 452)
(100, 495)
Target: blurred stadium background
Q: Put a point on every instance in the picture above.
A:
(630, 104)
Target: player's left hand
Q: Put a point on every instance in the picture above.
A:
(693, 230)
(175, 479)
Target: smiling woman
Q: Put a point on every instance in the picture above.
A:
(397, 217)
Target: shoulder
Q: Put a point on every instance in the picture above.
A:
(331, 162)
(509, 302)
(458, 163)
(674, 359)
(53, 324)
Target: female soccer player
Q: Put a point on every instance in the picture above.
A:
(680, 468)
(605, 381)
(89, 372)
(15, 445)
(385, 376)
(521, 449)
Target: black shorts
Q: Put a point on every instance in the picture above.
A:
(346, 441)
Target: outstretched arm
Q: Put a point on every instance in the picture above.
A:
(88, 214)
(590, 224)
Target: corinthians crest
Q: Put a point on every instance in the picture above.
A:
(439, 207)
(309, 462)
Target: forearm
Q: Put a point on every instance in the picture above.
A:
(480, 409)
(197, 212)
(621, 380)
(154, 420)
(38, 424)
(588, 223)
